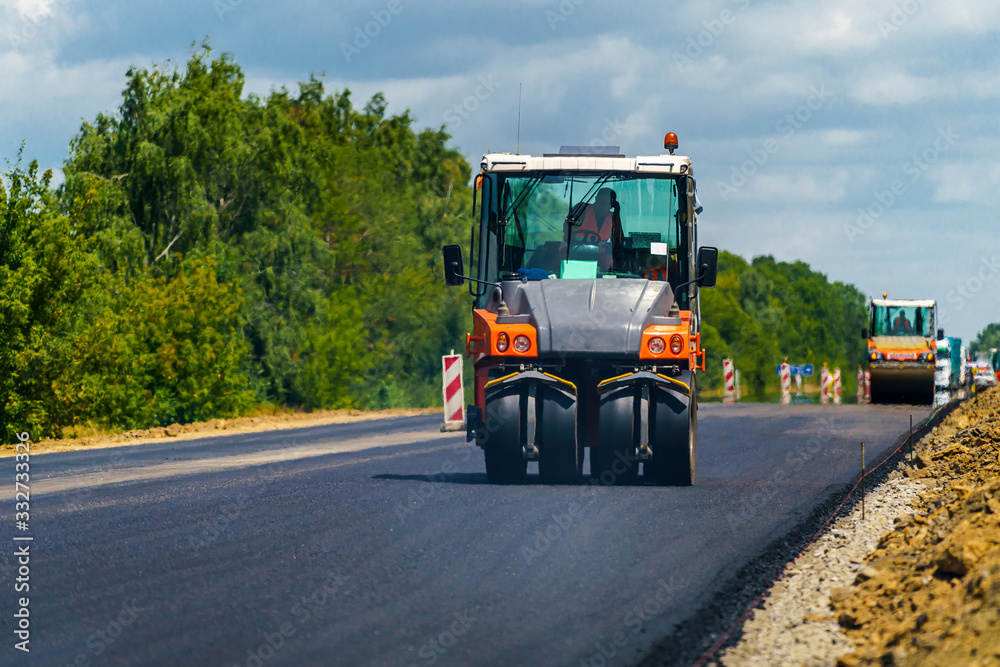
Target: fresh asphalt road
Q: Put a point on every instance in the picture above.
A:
(380, 543)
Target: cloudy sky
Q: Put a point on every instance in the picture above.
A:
(858, 136)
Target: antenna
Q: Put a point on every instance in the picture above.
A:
(517, 151)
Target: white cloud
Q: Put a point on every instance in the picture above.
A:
(840, 137)
(32, 9)
(968, 183)
(888, 88)
(38, 84)
(784, 188)
(833, 29)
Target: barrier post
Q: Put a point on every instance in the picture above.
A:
(824, 385)
(786, 382)
(861, 385)
(863, 473)
(909, 441)
(454, 394)
(836, 386)
(729, 375)
(868, 386)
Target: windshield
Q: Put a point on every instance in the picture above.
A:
(603, 225)
(902, 321)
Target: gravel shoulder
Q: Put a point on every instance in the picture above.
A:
(917, 581)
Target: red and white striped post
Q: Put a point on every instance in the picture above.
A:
(729, 374)
(861, 385)
(868, 386)
(824, 385)
(836, 386)
(454, 395)
(786, 383)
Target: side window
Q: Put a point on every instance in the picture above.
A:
(488, 241)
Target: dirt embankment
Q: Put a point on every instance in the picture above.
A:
(930, 592)
(269, 422)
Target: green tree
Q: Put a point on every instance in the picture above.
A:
(987, 339)
(46, 273)
(329, 218)
(764, 311)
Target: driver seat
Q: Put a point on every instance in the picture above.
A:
(597, 221)
(598, 218)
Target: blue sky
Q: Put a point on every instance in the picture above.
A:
(858, 136)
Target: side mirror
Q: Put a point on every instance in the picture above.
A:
(453, 265)
(940, 334)
(864, 334)
(708, 263)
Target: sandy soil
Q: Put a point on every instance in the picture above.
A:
(930, 592)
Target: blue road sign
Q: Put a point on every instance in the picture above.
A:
(805, 369)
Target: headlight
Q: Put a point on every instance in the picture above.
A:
(656, 345)
(676, 344)
(503, 342)
(521, 343)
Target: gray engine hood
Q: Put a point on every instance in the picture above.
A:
(599, 317)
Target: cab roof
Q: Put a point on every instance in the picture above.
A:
(895, 303)
(644, 164)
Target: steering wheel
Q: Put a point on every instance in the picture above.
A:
(587, 237)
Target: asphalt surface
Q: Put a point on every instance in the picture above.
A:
(380, 543)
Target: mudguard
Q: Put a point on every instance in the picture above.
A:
(537, 410)
(643, 417)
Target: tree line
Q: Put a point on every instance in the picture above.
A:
(210, 251)
(764, 311)
(987, 339)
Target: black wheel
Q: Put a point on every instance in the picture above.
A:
(560, 454)
(676, 436)
(505, 462)
(613, 463)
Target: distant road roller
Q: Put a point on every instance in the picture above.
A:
(586, 318)
(902, 349)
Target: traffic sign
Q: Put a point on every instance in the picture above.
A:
(804, 369)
